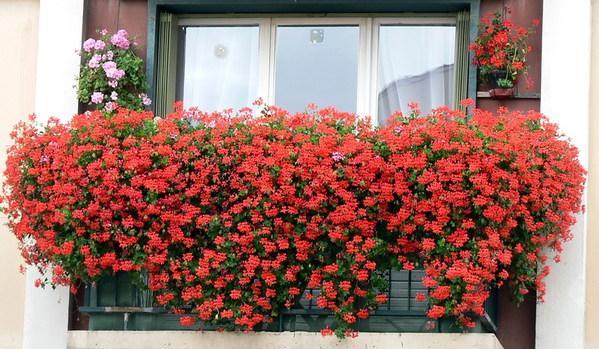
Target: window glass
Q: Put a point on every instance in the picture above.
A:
(316, 64)
(221, 67)
(415, 63)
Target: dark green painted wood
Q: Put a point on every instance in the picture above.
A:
(151, 51)
(113, 305)
(472, 71)
(303, 6)
(310, 6)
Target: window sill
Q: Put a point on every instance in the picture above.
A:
(281, 340)
(528, 95)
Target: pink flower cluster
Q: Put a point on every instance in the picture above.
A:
(145, 100)
(89, 45)
(112, 72)
(105, 64)
(337, 156)
(110, 106)
(97, 97)
(121, 39)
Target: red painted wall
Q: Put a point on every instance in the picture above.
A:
(112, 15)
(521, 12)
(516, 324)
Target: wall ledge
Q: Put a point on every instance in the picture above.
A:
(275, 340)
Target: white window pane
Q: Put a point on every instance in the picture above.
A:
(316, 64)
(415, 64)
(221, 67)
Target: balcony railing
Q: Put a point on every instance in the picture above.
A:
(116, 304)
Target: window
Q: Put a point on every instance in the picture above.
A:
(221, 66)
(368, 65)
(316, 64)
(415, 63)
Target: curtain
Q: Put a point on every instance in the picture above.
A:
(221, 67)
(416, 64)
(461, 60)
(165, 68)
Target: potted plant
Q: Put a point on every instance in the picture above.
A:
(500, 52)
(111, 74)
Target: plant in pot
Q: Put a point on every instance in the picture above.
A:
(500, 52)
(111, 74)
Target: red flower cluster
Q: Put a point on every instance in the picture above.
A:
(501, 46)
(234, 216)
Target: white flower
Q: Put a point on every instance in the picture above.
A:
(338, 156)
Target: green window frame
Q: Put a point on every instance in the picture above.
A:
(163, 31)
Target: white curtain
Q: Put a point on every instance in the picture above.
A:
(221, 67)
(416, 64)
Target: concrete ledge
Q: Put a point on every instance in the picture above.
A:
(275, 340)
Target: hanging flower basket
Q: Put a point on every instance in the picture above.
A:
(500, 52)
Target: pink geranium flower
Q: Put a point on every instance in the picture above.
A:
(89, 45)
(97, 97)
(120, 39)
(99, 45)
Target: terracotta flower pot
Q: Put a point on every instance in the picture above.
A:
(501, 93)
(497, 90)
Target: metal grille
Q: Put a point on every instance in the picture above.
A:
(403, 287)
(115, 304)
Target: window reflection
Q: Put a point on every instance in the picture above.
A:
(316, 65)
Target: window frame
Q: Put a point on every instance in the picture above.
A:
(368, 51)
(360, 22)
(375, 36)
(295, 11)
(264, 33)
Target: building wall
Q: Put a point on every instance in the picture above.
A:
(565, 96)
(59, 37)
(516, 324)
(592, 268)
(17, 98)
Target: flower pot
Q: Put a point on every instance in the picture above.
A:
(494, 76)
(497, 89)
(501, 93)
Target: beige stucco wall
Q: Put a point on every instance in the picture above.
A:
(592, 267)
(18, 34)
(271, 340)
